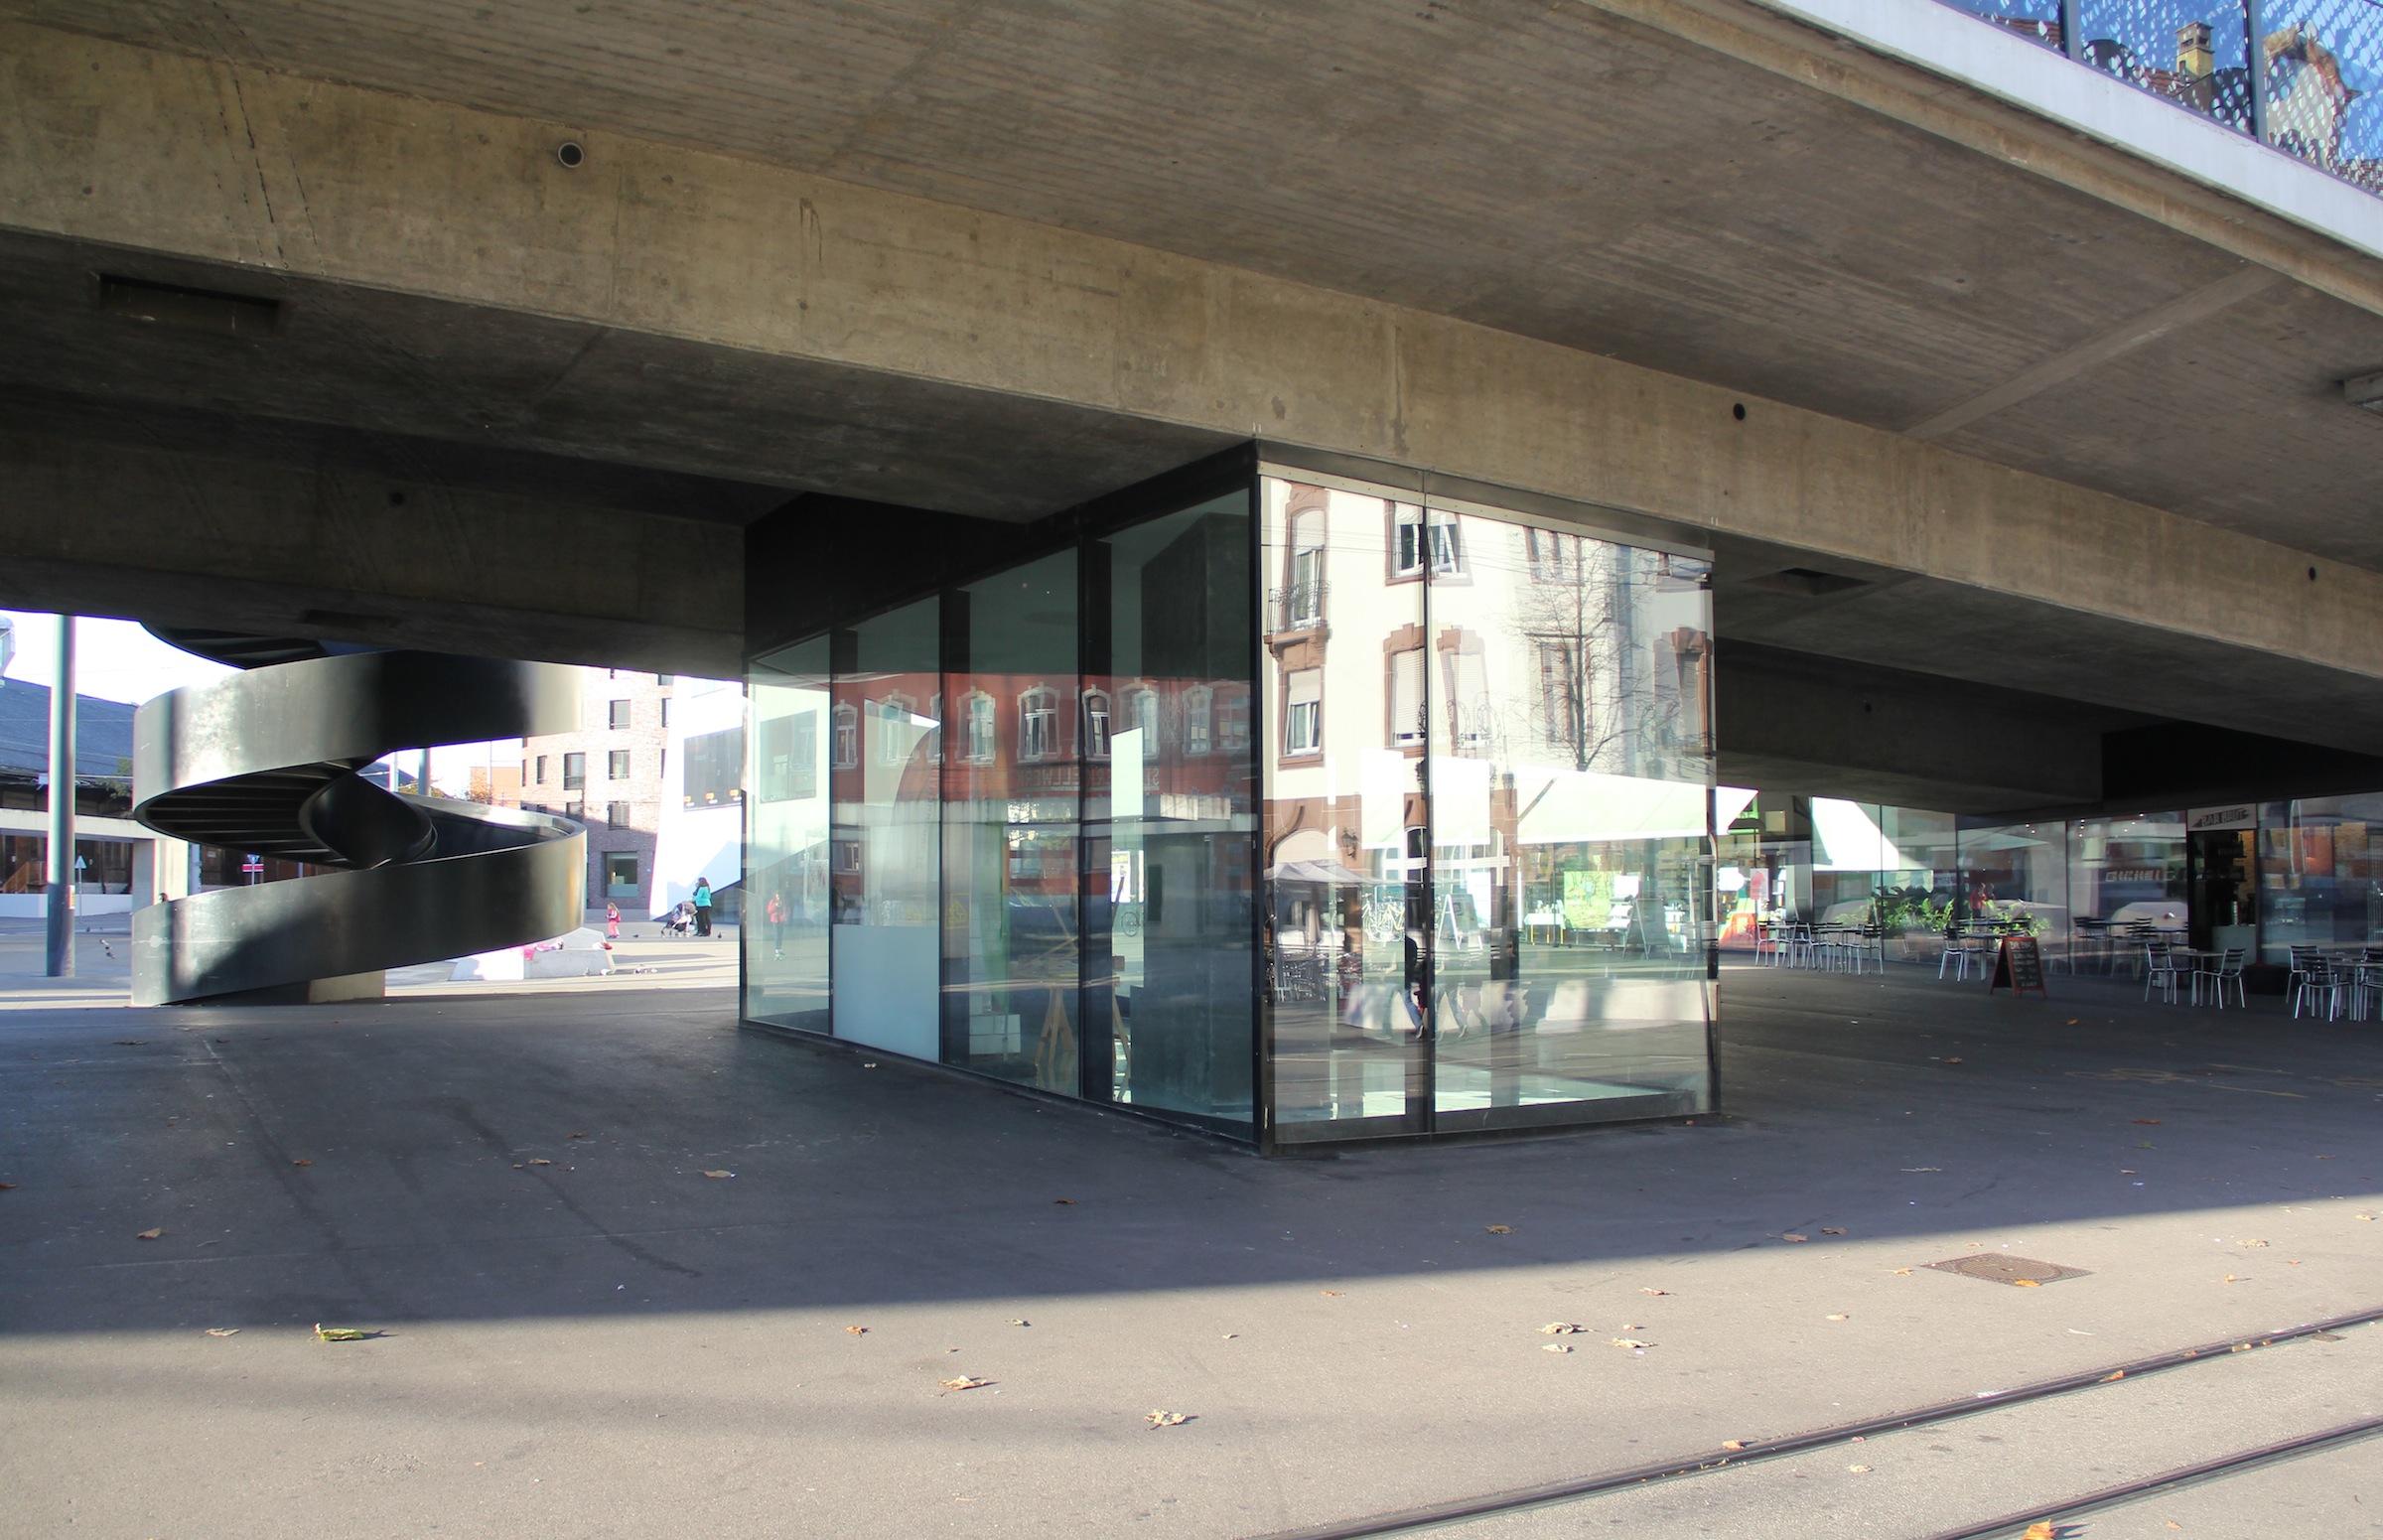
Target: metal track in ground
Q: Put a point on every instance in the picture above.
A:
(1410, 1520)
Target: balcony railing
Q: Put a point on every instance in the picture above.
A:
(1299, 607)
(2302, 75)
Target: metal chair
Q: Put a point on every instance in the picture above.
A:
(2161, 968)
(2317, 981)
(2228, 971)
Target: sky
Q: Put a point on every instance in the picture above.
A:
(118, 661)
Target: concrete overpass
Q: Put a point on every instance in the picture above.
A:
(493, 331)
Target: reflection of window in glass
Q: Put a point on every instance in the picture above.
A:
(617, 765)
(1419, 537)
(935, 734)
(1468, 713)
(892, 733)
(1145, 719)
(1096, 724)
(1037, 724)
(1233, 719)
(715, 770)
(847, 858)
(1198, 719)
(1302, 722)
(575, 772)
(982, 734)
(1559, 692)
(1551, 555)
(1304, 602)
(790, 757)
(1406, 697)
(848, 737)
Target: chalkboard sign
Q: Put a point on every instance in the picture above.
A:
(2019, 965)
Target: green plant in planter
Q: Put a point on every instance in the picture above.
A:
(1912, 909)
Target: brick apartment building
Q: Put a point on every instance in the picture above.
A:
(609, 775)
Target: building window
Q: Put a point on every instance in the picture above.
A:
(983, 730)
(847, 755)
(1303, 601)
(616, 815)
(1421, 537)
(1145, 719)
(616, 765)
(1302, 722)
(1232, 720)
(1553, 557)
(665, 680)
(715, 770)
(935, 734)
(1096, 724)
(541, 770)
(618, 716)
(1560, 693)
(1199, 720)
(893, 736)
(1406, 698)
(575, 772)
(1037, 724)
(619, 874)
(665, 705)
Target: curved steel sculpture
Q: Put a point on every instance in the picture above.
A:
(266, 762)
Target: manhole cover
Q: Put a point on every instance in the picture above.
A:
(1996, 1267)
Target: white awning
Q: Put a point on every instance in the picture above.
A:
(1564, 806)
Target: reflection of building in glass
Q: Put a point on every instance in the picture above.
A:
(1404, 829)
(609, 775)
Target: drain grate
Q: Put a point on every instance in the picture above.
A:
(1996, 1267)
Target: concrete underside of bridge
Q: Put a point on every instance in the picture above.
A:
(2005, 440)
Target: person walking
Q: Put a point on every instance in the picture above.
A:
(703, 906)
(612, 922)
(775, 914)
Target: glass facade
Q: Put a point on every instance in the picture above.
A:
(1297, 812)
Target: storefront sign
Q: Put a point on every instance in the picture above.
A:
(2239, 815)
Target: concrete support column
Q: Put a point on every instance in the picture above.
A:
(60, 954)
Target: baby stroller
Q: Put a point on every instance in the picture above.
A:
(680, 922)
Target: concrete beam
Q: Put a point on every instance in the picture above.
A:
(212, 161)
(113, 529)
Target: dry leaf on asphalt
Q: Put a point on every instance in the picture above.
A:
(1732, 1444)
(2113, 1374)
(1554, 1347)
(222, 1331)
(1158, 1419)
(1333, 1294)
(708, 1172)
(2367, 1216)
(1859, 1469)
(1900, 1271)
(2250, 1243)
(2229, 1278)
(1064, 1200)
(535, 1161)
(2042, 1529)
(1955, 1059)
(964, 1382)
(1630, 1341)
(2027, 1282)
(1825, 1230)
(7, 1186)
(1840, 1317)
(856, 1330)
(1014, 1320)
(149, 1234)
(339, 1333)
(1558, 1328)
(1795, 1238)
(1501, 1230)
(302, 1163)
(1908, 1170)
(1654, 1291)
(575, 1135)
(2152, 1122)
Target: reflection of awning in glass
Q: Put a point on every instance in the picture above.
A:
(1564, 806)
(1327, 874)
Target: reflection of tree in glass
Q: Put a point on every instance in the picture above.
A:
(1601, 697)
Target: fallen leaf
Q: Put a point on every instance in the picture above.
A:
(339, 1333)
(2368, 1218)
(302, 1163)
(2073, 1020)
(575, 1135)
(2229, 1278)
(1795, 1238)
(130, 1043)
(1654, 1291)
(2150, 1121)
(7, 1186)
(1158, 1419)
(1558, 1328)
(1900, 1271)
(1067, 1201)
(1017, 1322)
(536, 1161)
(222, 1331)
(856, 1330)
(1910, 1169)
(1732, 1444)
(1630, 1341)
(1501, 1230)
(1554, 1347)
(2026, 1283)
(964, 1382)
(2250, 1243)
(1333, 1294)
(708, 1172)
(1825, 1230)
(1859, 1469)
(149, 1234)
(1953, 1060)
(1840, 1317)
(2113, 1374)
(2042, 1529)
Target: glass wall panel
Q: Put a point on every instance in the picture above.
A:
(1344, 678)
(2126, 882)
(2321, 874)
(788, 835)
(882, 860)
(2017, 874)
(1169, 816)
(1014, 716)
(1571, 781)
